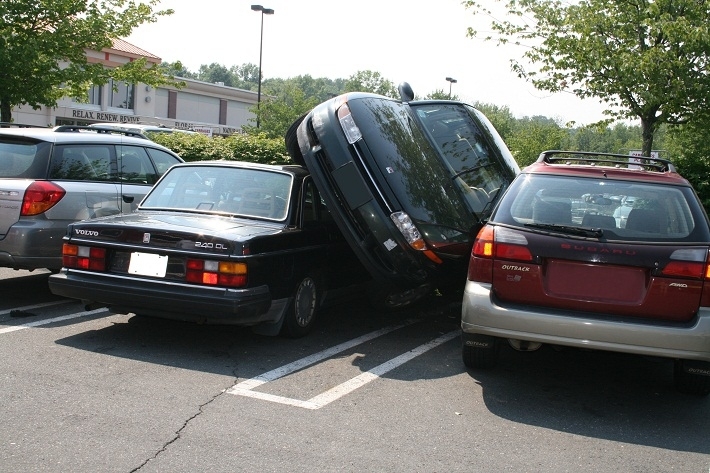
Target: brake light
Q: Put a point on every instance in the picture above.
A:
(83, 257)
(688, 263)
(39, 197)
(496, 243)
(216, 273)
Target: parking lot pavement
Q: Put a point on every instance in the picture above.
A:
(89, 391)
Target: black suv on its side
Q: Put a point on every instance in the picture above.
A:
(50, 177)
(408, 182)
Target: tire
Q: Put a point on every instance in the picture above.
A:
(291, 139)
(690, 383)
(481, 355)
(301, 314)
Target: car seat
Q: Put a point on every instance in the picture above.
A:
(598, 221)
(552, 211)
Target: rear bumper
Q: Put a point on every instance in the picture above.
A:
(33, 244)
(169, 299)
(481, 314)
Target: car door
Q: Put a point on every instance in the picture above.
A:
(136, 176)
(86, 172)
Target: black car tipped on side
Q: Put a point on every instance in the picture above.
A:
(408, 182)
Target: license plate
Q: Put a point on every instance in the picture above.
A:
(148, 264)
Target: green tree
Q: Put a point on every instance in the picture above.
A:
(643, 58)
(533, 135)
(370, 81)
(215, 73)
(43, 42)
(176, 69)
(440, 94)
(277, 113)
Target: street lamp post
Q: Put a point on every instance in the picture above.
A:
(451, 81)
(264, 11)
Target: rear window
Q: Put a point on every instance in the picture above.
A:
(23, 159)
(623, 210)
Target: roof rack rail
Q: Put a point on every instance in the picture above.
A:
(617, 160)
(19, 125)
(99, 129)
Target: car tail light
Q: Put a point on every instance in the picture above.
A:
(411, 234)
(691, 263)
(216, 273)
(688, 263)
(352, 132)
(83, 257)
(39, 197)
(496, 243)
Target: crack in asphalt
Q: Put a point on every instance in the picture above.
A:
(178, 433)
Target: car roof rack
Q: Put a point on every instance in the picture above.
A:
(609, 159)
(99, 129)
(19, 125)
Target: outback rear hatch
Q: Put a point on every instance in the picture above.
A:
(660, 282)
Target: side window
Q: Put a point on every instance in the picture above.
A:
(135, 165)
(82, 163)
(314, 210)
(310, 208)
(162, 160)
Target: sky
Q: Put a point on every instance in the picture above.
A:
(420, 42)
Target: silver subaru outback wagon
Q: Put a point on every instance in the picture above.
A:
(50, 177)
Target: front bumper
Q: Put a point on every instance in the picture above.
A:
(169, 299)
(482, 314)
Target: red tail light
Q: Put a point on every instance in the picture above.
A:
(40, 196)
(216, 273)
(83, 257)
(495, 243)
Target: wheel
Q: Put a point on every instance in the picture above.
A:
(291, 138)
(479, 351)
(692, 377)
(301, 315)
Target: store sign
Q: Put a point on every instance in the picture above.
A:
(635, 154)
(104, 116)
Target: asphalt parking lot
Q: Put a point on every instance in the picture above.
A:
(88, 391)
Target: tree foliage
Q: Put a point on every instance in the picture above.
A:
(643, 58)
(371, 81)
(43, 43)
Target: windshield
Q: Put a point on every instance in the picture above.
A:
(478, 164)
(229, 190)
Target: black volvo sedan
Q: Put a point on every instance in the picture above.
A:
(409, 183)
(216, 242)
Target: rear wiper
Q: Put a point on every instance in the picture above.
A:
(586, 232)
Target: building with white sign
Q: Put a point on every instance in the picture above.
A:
(198, 105)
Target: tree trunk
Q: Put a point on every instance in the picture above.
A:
(5, 111)
(648, 126)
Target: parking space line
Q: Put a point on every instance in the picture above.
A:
(245, 388)
(35, 306)
(37, 323)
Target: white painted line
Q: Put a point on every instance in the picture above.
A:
(245, 388)
(37, 323)
(312, 359)
(35, 306)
